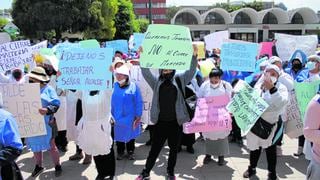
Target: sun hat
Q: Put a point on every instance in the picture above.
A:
(124, 70)
(40, 74)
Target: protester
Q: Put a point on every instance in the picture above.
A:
(276, 95)
(168, 113)
(311, 74)
(95, 132)
(16, 76)
(126, 111)
(50, 104)
(288, 82)
(216, 143)
(295, 69)
(10, 146)
(74, 114)
(312, 134)
(189, 139)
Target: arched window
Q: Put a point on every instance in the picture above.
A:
(242, 18)
(186, 18)
(214, 18)
(270, 18)
(297, 19)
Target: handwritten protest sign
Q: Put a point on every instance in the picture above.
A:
(118, 45)
(305, 91)
(246, 106)
(201, 49)
(215, 40)
(292, 118)
(210, 115)
(266, 48)
(206, 67)
(91, 43)
(85, 69)
(15, 55)
(239, 56)
(36, 48)
(287, 44)
(167, 47)
(137, 40)
(146, 92)
(23, 101)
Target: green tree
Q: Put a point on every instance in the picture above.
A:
(143, 23)
(257, 5)
(171, 12)
(3, 22)
(102, 14)
(125, 20)
(42, 16)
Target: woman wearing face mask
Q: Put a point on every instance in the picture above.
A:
(50, 105)
(94, 128)
(276, 95)
(126, 110)
(216, 143)
(296, 68)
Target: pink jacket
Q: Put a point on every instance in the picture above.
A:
(312, 126)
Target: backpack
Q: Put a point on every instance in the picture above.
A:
(190, 98)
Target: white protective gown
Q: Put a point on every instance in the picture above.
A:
(94, 127)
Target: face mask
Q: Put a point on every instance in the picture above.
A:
(122, 81)
(297, 66)
(311, 65)
(214, 86)
(168, 76)
(273, 79)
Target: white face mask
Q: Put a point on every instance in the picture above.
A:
(311, 65)
(122, 81)
(273, 79)
(214, 86)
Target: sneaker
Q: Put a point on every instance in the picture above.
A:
(207, 159)
(221, 161)
(76, 157)
(249, 172)
(120, 156)
(190, 150)
(143, 176)
(272, 176)
(37, 170)
(58, 170)
(131, 156)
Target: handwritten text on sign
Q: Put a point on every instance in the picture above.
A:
(238, 56)
(305, 91)
(15, 55)
(23, 101)
(85, 69)
(167, 47)
(292, 118)
(247, 106)
(211, 115)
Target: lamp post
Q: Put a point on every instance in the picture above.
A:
(150, 12)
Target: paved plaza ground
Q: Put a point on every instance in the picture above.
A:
(188, 166)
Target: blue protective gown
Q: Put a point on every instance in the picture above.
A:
(49, 97)
(126, 104)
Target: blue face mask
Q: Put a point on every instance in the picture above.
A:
(311, 65)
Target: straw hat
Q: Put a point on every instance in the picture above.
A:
(40, 74)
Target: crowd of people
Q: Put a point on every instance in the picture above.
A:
(98, 120)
